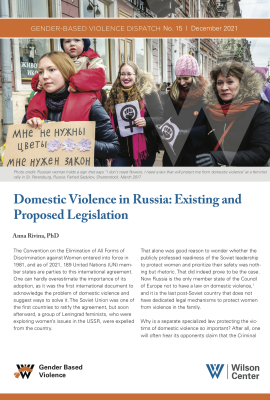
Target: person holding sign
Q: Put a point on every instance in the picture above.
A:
(183, 110)
(56, 103)
(134, 108)
(239, 124)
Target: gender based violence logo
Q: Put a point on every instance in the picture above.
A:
(24, 370)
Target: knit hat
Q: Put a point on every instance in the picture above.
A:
(262, 70)
(86, 42)
(187, 65)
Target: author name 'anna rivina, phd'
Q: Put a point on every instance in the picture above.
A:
(36, 236)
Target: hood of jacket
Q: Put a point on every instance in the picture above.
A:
(145, 85)
(90, 53)
(250, 88)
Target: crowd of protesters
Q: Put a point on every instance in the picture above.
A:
(223, 122)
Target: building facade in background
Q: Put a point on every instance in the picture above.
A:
(237, 50)
(156, 55)
(233, 49)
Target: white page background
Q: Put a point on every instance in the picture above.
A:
(115, 358)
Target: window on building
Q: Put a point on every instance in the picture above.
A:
(100, 9)
(141, 55)
(201, 64)
(30, 50)
(126, 50)
(95, 9)
(191, 8)
(160, 60)
(125, 45)
(32, 8)
(223, 4)
(102, 47)
(184, 49)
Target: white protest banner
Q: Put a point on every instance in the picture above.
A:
(126, 115)
(69, 144)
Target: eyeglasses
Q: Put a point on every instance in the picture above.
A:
(129, 74)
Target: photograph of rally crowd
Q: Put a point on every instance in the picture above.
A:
(191, 122)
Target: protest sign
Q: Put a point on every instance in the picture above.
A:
(169, 133)
(65, 144)
(126, 115)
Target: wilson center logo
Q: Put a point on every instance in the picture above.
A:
(215, 369)
(24, 370)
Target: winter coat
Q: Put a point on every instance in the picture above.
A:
(153, 116)
(266, 105)
(90, 72)
(247, 143)
(265, 95)
(81, 107)
(194, 143)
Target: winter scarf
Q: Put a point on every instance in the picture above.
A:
(54, 105)
(221, 113)
(230, 111)
(138, 140)
(57, 101)
(188, 98)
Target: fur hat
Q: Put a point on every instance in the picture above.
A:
(187, 65)
(87, 43)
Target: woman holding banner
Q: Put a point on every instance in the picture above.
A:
(183, 111)
(138, 147)
(56, 103)
(239, 123)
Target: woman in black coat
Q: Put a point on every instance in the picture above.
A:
(183, 110)
(56, 103)
(238, 121)
(134, 84)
